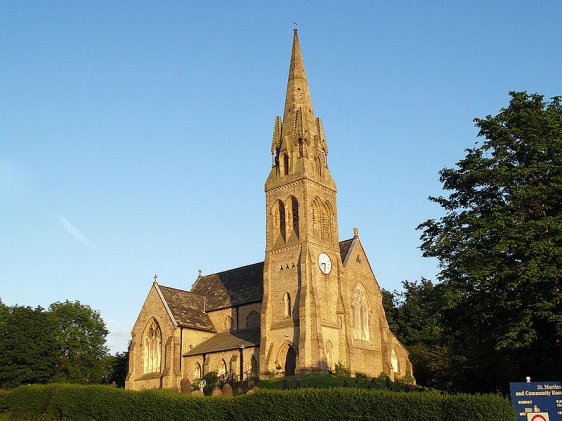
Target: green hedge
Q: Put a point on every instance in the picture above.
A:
(79, 402)
(3, 400)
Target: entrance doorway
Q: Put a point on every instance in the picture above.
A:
(290, 362)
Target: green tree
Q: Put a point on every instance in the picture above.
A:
(414, 316)
(116, 368)
(28, 348)
(499, 245)
(81, 339)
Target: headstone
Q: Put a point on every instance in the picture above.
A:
(185, 386)
(251, 384)
(227, 390)
(239, 390)
(197, 393)
(216, 391)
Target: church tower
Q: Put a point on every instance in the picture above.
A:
(302, 269)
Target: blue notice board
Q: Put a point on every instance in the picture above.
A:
(537, 401)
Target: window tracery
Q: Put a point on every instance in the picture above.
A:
(152, 348)
(360, 314)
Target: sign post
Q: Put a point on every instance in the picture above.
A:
(537, 401)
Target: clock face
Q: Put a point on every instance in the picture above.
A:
(325, 263)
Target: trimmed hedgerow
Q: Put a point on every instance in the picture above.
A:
(79, 402)
(3, 400)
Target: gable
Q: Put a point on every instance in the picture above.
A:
(356, 257)
(153, 307)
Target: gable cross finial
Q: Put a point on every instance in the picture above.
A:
(155, 278)
(200, 272)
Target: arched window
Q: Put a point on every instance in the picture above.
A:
(227, 323)
(234, 365)
(254, 366)
(222, 368)
(360, 314)
(318, 165)
(281, 219)
(152, 348)
(285, 164)
(316, 217)
(197, 371)
(324, 222)
(328, 222)
(394, 361)
(253, 319)
(287, 305)
(295, 214)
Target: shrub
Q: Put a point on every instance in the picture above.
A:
(342, 370)
(212, 379)
(79, 402)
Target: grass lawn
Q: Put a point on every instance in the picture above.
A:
(4, 416)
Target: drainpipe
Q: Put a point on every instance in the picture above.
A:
(203, 368)
(241, 362)
(181, 348)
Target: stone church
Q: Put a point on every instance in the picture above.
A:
(314, 301)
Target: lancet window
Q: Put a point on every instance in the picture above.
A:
(394, 361)
(295, 215)
(281, 219)
(287, 305)
(253, 319)
(152, 348)
(360, 314)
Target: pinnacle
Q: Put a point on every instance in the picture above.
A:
(296, 70)
(298, 93)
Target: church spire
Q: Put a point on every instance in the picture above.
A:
(298, 93)
(298, 148)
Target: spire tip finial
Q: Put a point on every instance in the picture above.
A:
(296, 26)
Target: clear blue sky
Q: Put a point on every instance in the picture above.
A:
(135, 136)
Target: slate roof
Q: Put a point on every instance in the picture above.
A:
(344, 248)
(231, 288)
(225, 341)
(187, 308)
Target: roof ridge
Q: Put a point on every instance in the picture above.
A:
(177, 289)
(349, 239)
(230, 270)
(186, 292)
